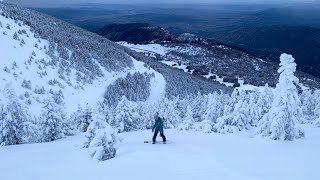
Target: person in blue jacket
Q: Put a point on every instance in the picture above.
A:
(158, 127)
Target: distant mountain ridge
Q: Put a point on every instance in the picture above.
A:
(268, 42)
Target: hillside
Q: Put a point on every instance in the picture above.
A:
(267, 42)
(69, 62)
(217, 61)
(135, 33)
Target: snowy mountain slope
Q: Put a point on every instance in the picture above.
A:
(188, 155)
(30, 65)
(87, 56)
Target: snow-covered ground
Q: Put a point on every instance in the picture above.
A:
(188, 155)
(146, 48)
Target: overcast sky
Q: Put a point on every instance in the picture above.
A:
(59, 2)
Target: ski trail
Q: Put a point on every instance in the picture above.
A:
(157, 83)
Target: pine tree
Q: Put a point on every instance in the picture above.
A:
(280, 123)
(259, 104)
(52, 122)
(12, 117)
(235, 121)
(188, 121)
(199, 107)
(213, 110)
(123, 120)
(316, 111)
(78, 119)
(30, 132)
(9, 128)
(308, 105)
(168, 110)
(146, 111)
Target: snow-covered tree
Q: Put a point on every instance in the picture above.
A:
(316, 111)
(308, 105)
(259, 104)
(51, 122)
(9, 128)
(280, 123)
(123, 120)
(317, 119)
(213, 110)
(30, 132)
(146, 111)
(169, 111)
(188, 121)
(199, 107)
(69, 128)
(78, 118)
(12, 117)
(235, 121)
(101, 140)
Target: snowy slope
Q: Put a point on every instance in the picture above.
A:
(22, 61)
(147, 48)
(188, 156)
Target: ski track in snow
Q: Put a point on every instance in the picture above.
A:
(188, 156)
(157, 83)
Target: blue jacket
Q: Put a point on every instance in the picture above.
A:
(158, 125)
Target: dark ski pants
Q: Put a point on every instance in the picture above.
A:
(155, 136)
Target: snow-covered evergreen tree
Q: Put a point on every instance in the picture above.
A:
(123, 120)
(280, 123)
(308, 105)
(317, 119)
(12, 117)
(259, 104)
(235, 121)
(188, 121)
(51, 122)
(30, 132)
(316, 111)
(199, 107)
(78, 118)
(101, 140)
(146, 112)
(168, 110)
(213, 110)
(9, 128)
(69, 128)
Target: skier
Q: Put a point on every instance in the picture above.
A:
(87, 123)
(158, 126)
(86, 126)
